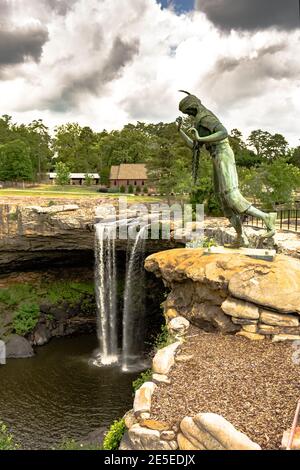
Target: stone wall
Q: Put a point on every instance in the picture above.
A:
(232, 293)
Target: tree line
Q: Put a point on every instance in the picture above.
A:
(269, 168)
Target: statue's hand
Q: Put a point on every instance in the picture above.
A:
(194, 134)
(179, 122)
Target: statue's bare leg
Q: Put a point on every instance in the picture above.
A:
(269, 220)
(236, 222)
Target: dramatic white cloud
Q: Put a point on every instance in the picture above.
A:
(104, 63)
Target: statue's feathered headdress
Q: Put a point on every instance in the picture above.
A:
(190, 101)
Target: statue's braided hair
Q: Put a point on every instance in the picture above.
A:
(191, 101)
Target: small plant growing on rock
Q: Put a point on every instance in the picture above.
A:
(163, 339)
(6, 438)
(13, 216)
(208, 242)
(114, 435)
(142, 378)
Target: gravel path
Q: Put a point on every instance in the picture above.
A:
(255, 385)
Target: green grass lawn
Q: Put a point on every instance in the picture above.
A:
(44, 190)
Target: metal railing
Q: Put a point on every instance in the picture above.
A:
(287, 219)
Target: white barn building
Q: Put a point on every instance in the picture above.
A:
(77, 178)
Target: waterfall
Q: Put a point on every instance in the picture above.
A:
(106, 293)
(134, 305)
(134, 310)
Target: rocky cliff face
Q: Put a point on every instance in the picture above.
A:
(27, 235)
(232, 293)
(34, 235)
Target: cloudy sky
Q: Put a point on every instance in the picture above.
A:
(104, 63)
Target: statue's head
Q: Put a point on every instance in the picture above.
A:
(190, 104)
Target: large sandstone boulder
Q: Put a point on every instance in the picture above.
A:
(275, 285)
(140, 438)
(207, 288)
(164, 359)
(142, 399)
(215, 270)
(209, 431)
(210, 317)
(239, 309)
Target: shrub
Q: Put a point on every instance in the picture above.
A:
(15, 294)
(88, 179)
(73, 445)
(122, 189)
(71, 292)
(62, 173)
(130, 189)
(208, 242)
(102, 190)
(6, 438)
(163, 339)
(114, 435)
(113, 190)
(144, 377)
(26, 319)
(145, 190)
(138, 190)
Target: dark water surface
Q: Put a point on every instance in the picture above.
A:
(59, 395)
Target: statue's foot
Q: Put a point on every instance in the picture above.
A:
(270, 222)
(239, 242)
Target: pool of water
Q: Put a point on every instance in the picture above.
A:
(59, 394)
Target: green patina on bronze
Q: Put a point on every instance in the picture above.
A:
(209, 131)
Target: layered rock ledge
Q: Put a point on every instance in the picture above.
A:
(33, 235)
(232, 293)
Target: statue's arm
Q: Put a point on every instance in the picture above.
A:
(189, 142)
(219, 134)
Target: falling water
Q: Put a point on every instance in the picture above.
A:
(106, 293)
(134, 305)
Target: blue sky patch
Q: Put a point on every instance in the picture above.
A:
(181, 6)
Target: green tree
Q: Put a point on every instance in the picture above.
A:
(78, 147)
(268, 146)
(271, 183)
(63, 173)
(243, 156)
(295, 156)
(36, 136)
(169, 167)
(130, 145)
(15, 162)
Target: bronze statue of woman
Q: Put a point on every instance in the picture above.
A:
(209, 131)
